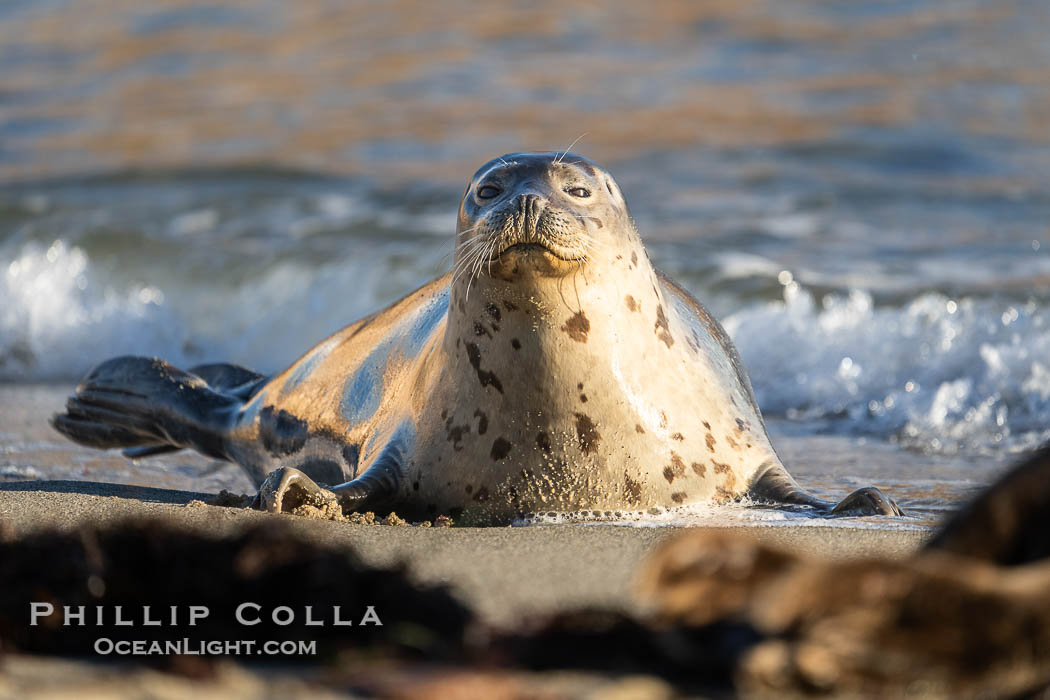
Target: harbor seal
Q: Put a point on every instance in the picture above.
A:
(553, 369)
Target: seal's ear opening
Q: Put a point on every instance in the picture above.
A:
(1009, 523)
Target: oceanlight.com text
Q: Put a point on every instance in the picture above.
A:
(105, 646)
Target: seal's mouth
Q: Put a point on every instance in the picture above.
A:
(534, 248)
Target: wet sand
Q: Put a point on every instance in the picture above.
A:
(507, 574)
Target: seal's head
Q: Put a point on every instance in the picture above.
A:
(527, 215)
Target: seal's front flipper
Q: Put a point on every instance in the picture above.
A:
(772, 484)
(286, 488)
(866, 501)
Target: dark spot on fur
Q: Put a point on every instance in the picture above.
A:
(580, 386)
(583, 398)
(678, 496)
(500, 449)
(597, 222)
(732, 442)
(710, 439)
(663, 419)
(351, 455)
(509, 305)
(543, 441)
(706, 424)
(415, 485)
(730, 480)
(677, 436)
(455, 435)
(515, 343)
(281, 432)
(483, 421)
(639, 429)
(482, 494)
(634, 258)
(485, 377)
(741, 426)
(480, 329)
(723, 495)
(675, 469)
(632, 490)
(493, 311)
(631, 304)
(587, 434)
(469, 489)
(444, 414)
(662, 330)
(699, 469)
(721, 468)
(577, 327)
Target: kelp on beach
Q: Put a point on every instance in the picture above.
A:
(967, 613)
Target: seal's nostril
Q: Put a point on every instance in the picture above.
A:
(529, 205)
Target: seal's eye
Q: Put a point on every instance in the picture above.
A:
(488, 191)
(580, 192)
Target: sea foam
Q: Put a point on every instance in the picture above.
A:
(940, 374)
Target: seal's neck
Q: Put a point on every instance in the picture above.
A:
(605, 325)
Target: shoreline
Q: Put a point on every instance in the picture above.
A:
(506, 574)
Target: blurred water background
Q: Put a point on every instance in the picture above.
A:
(859, 189)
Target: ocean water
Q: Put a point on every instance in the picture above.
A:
(860, 191)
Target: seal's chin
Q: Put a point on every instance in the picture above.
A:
(529, 259)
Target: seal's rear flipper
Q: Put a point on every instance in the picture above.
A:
(772, 484)
(141, 402)
(232, 380)
(149, 451)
